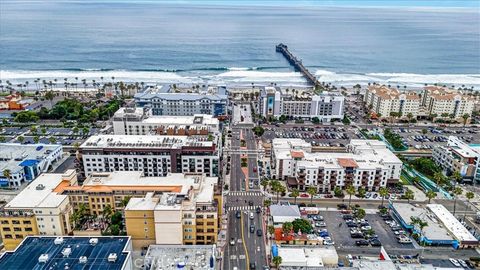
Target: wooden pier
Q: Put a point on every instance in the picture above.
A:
(297, 64)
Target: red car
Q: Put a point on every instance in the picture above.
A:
(304, 195)
(254, 169)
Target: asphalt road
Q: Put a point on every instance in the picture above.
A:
(248, 247)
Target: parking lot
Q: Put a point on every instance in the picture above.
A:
(316, 136)
(60, 135)
(416, 138)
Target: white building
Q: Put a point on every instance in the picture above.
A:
(442, 100)
(153, 155)
(283, 213)
(307, 257)
(384, 100)
(275, 102)
(167, 101)
(367, 163)
(457, 156)
(140, 121)
(26, 161)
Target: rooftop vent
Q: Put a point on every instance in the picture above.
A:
(82, 259)
(40, 187)
(66, 252)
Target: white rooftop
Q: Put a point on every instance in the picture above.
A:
(145, 142)
(12, 154)
(451, 223)
(39, 193)
(317, 256)
(167, 257)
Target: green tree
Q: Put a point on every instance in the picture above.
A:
(271, 229)
(33, 130)
(409, 195)
(302, 225)
(470, 195)
(287, 227)
(311, 191)
(409, 116)
(383, 193)
(337, 191)
(431, 195)
(456, 192)
(49, 96)
(125, 201)
(36, 139)
(2, 139)
(107, 211)
(465, 118)
(7, 174)
(315, 120)
(439, 178)
(350, 191)
(295, 193)
(20, 139)
(360, 213)
(258, 130)
(75, 130)
(457, 177)
(44, 130)
(52, 140)
(265, 184)
(267, 203)
(277, 260)
(114, 229)
(361, 192)
(418, 223)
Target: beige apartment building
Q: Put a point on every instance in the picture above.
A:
(444, 101)
(384, 100)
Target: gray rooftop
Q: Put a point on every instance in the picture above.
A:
(171, 256)
(285, 210)
(13, 154)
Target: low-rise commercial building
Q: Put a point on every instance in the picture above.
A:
(174, 257)
(366, 163)
(37, 210)
(164, 100)
(283, 213)
(275, 102)
(151, 154)
(140, 121)
(67, 252)
(175, 209)
(457, 156)
(24, 162)
(307, 257)
(384, 100)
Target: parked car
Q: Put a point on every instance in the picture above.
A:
(232, 241)
(375, 243)
(320, 224)
(454, 262)
(361, 243)
(304, 195)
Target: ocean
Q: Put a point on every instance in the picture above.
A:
(235, 44)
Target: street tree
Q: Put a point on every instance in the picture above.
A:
(431, 195)
(350, 191)
(383, 193)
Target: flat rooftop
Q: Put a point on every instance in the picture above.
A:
(145, 142)
(39, 193)
(213, 95)
(13, 154)
(451, 223)
(434, 231)
(26, 255)
(169, 257)
(284, 210)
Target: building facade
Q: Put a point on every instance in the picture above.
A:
(444, 101)
(140, 121)
(275, 102)
(37, 210)
(153, 155)
(366, 163)
(457, 156)
(184, 103)
(25, 162)
(384, 100)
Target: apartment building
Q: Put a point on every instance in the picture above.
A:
(384, 100)
(365, 163)
(444, 101)
(274, 102)
(141, 121)
(25, 162)
(37, 210)
(167, 101)
(458, 156)
(152, 154)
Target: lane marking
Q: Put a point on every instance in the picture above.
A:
(244, 246)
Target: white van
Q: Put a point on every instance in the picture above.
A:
(251, 215)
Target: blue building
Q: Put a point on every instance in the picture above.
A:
(93, 253)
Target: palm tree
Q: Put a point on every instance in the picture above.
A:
(421, 224)
(465, 118)
(20, 139)
(439, 178)
(311, 191)
(409, 195)
(456, 191)
(350, 191)
(470, 195)
(125, 201)
(7, 174)
(36, 139)
(431, 194)
(52, 140)
(383, 193)
(265, 184)
(277, 260)
(295, 193)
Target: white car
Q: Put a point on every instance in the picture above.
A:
(454, 262)
(463, 263)
(328, 243)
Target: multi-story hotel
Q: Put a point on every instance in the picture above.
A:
(140, 121)
(384, 100)
(175, 209)
(39, 209)
(25, 162)
(366, 163)
(274, 102)
(457, 156)
(167, 101)
(441, 100)
(152, 154)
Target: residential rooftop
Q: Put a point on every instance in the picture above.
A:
(145, 142)
(173, 257)
(44, 253)
(13, 156)
(444, 93)
(386, 92)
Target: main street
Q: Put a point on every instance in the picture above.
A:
(244, 198)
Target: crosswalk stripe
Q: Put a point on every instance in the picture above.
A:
(245, 193)
(241, 208)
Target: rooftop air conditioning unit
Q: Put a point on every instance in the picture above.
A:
(82, 259)
(58, 241)
(66, 252)
(43, 258)
(112, 257)
(93, 241)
